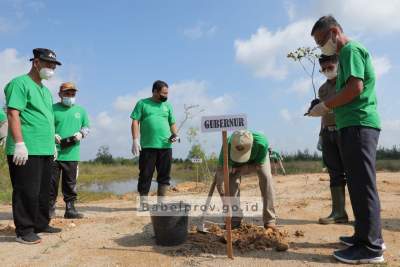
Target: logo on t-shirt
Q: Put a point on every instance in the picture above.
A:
(77, 115)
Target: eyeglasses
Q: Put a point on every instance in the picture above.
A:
(322, 42)
(329, 68)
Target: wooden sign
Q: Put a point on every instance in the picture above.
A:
(196, 160)
(223, 123)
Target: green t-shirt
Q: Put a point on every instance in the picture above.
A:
(68, 121)
(3, 116)
(355, 60)
(36, 114)
(258, 151)
(275, 155)
(155, 120)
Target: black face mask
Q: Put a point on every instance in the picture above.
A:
(163, 98)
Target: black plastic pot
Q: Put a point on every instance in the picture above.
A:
(170, 224)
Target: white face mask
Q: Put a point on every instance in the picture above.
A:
(329, 47)
(331, 74)
(46, 73)
(68, 101)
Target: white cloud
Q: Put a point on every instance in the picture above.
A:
(391, 125)
(13, 65)
(294, 116)
(112, 128)
(200, 30)
(301, 86)
(358, 15)
(265, 51)
(36, 6)
(4, 25)
(285, 114)
(390, 133)
(127, 102)
(382, 65)
(290, 9)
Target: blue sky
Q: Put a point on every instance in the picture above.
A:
(226, 56)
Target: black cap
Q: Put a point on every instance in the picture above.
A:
(45, 54)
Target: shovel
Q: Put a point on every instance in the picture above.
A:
(201, 227)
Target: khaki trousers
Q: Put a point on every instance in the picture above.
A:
(266, 186)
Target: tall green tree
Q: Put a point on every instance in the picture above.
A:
(104, 156)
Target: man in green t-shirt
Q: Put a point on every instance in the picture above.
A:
(276, 159)
(30, 147)
(248, 153)
(71, 126)
(357, 120)
(156, 121)
(3, 126)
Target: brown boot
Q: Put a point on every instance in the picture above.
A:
(161, 192)
(338, 214)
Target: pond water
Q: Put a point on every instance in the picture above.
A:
(118, 187)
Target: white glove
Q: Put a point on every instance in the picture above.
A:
(20, 154)
(319, 144)
(319, 110)
(136, 148)
(55, 153)
(57, 138)
(174, 138)
(84, 131)
(78, 136)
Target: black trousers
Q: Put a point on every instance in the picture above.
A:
(332, 157)
(149, 160)
(31, 193)
(358, 147)
(68, 172)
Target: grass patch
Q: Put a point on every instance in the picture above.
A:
(102, 173)
(85, 196)
(388, 165)
(296, 167)
(95, 172)
(5, 182)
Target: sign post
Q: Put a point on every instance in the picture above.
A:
(197, 161)
(223, 124)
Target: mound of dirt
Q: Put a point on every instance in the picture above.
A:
(246, 238)
(8, 229)
(189, 187)
(250, 236)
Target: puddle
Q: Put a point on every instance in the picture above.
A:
(118, 187)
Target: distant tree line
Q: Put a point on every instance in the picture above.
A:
(104, 156)
(388, 153)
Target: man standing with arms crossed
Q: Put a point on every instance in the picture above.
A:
(71, 126)
(30, 147)
(358, 123)
(329, 143)
(153, 118)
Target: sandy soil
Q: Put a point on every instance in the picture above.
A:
(113, 235)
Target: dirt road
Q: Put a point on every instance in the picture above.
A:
(112, 234)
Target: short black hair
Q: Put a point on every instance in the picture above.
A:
(325, 23)
(328, 59)
(158, 85)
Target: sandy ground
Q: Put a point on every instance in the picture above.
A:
(113, 235)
